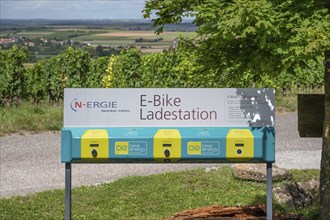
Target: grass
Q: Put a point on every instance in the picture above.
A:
(29, 117)
(151, 197)
(286, 100)
(286, 104)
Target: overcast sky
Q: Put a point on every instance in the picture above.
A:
(71, 9)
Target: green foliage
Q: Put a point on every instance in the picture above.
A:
(47, 79)
(243, 42)
(183, 67)
(240, 43)
(52, 69)
(36, 82)
(126, 69)
(12, 75)
(97, 70)
(75, 68)
(162, 71)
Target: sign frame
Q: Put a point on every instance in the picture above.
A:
(242, 107)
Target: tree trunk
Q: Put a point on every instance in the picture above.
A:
(325, 160)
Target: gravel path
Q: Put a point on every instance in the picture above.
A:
(293, 152)
(31, 163)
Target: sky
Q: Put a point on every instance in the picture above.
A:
(71, 9)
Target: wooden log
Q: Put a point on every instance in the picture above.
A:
(310, 115)
(216, 212)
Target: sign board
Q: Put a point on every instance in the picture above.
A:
(311, 115)
(169, 107)
(168, 126)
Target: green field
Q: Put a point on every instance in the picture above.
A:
(59, 34)
(125, 38)
(35, 33)
(108, 37)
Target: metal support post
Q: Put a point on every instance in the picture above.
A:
(269, 192)
(68, 191)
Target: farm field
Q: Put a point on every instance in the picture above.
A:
(59, 34)
(120, 35)
(126, 38)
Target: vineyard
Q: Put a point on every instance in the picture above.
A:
(177, 68)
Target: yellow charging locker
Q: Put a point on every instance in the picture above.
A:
(239, 144)
(167, 145)
(95, 145)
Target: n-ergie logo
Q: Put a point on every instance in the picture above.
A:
(76, 105)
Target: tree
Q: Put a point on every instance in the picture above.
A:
(260, 38)
(99, 51)
(325, 160)
(237, 36)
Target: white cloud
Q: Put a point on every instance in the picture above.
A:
(24, 5)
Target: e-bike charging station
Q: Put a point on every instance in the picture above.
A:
(168, 126)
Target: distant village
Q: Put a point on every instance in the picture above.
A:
(42, 48)
(7, 42)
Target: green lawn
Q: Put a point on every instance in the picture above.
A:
(149, 197)
(31, 117)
